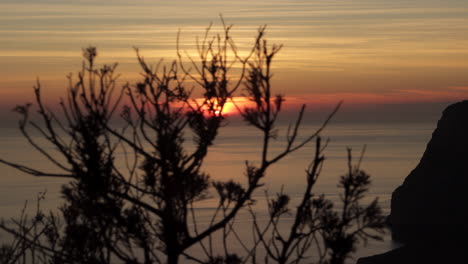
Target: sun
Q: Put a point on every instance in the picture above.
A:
(230, 107)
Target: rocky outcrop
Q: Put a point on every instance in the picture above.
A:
(433, 200)
(429, 211)
(436, 252)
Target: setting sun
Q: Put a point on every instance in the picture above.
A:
(231, 107)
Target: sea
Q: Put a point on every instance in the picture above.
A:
(392, 150)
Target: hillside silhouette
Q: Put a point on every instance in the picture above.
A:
(429, 211)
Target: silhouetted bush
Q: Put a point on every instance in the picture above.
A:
(143, 211)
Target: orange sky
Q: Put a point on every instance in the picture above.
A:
(357, 51)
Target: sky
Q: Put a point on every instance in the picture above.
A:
(362, 52)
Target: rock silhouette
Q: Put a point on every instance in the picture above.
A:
(429, 211)
(433, 200)
(436, 252)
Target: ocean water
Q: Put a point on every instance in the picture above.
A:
(392, 151)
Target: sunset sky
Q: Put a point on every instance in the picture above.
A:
(362, 52)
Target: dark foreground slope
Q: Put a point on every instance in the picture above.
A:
(429, 211)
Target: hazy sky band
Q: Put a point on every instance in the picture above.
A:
(395, 50)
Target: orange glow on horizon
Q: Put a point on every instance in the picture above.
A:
(230, 107)
(396, 97)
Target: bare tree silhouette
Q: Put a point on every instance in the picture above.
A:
(144, 211)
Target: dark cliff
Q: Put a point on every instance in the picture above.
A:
(433, 200)
(429, 211)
